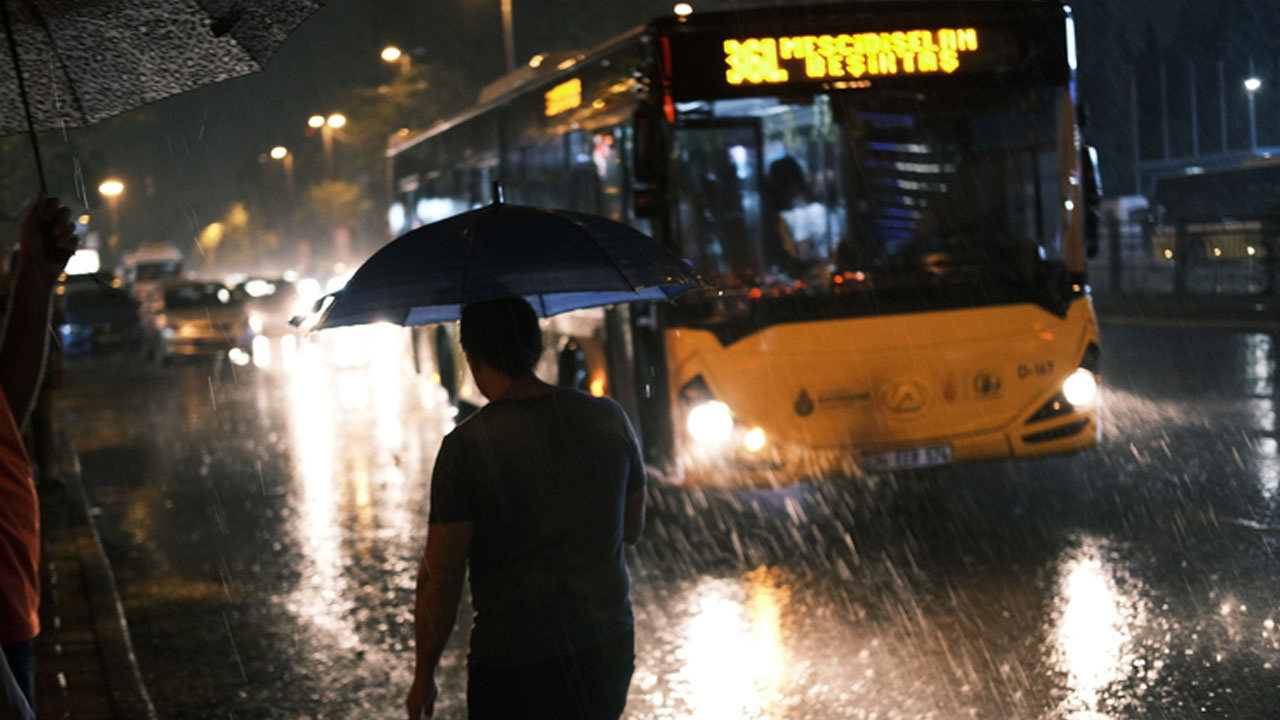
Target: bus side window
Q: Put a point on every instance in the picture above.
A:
(606, 161)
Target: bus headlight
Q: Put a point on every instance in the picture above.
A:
(1080, 388)
(754, 440)
(710, 423)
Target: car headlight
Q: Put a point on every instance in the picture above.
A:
(1080, 388)
(710, 423)
(255, 322)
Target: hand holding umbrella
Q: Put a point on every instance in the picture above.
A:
(48, 238)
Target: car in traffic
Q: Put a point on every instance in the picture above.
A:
(93, 314)
(271, 303)
(195, 318)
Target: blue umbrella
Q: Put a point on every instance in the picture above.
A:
(556, 259)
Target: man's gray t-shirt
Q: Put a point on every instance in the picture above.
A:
(544, 482)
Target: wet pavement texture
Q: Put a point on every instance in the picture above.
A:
(265, 525)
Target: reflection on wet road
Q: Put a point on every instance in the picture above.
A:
(265, 525)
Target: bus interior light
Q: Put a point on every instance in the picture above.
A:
(1080, 388)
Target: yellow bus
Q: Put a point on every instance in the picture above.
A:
(891, 201)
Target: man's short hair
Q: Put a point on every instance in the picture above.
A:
(503, 334)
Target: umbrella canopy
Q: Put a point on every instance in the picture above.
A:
(556, 259)
(86, 61)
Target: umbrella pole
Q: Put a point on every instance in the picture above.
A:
(22, 92)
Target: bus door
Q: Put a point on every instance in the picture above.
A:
(716, 198)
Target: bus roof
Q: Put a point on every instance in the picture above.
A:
(1244, 192)
(518, 81)
(153, 253)
(698, 41)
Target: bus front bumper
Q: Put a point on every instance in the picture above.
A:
(785, 464)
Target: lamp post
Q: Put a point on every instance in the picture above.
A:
(508, 36)
(392, 55)
(1251, 86)
(281, 153)
(112, 189)
(326, 126)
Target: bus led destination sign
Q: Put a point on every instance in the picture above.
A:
(775, 60)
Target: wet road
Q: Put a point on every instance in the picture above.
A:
(265, 526)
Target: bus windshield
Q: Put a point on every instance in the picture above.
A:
(887, 184)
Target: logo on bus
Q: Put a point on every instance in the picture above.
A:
(804, 404)
(905, 397)
(987, 385)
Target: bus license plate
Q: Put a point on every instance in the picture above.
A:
(908, 459)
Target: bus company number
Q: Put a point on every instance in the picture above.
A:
(1035, 369)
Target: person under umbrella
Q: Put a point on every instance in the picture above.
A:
(536, 494)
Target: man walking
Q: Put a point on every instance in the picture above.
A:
(536, 493)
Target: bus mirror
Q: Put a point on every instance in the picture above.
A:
(1092, 197)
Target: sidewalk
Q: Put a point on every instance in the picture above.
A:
(85, 666)
(1240, 313)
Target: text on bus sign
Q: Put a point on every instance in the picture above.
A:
(771, 60)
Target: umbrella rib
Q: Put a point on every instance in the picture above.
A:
(608, 256)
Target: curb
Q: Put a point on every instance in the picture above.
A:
(1223, 323)
(1238, 314)
(127, 694)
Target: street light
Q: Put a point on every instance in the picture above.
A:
(326, 126)
(393, 55)
(1251, 85)
(508, 35)
(683, 9)
(112, 189)
(281, 153)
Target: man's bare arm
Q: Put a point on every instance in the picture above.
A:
(440, 578)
